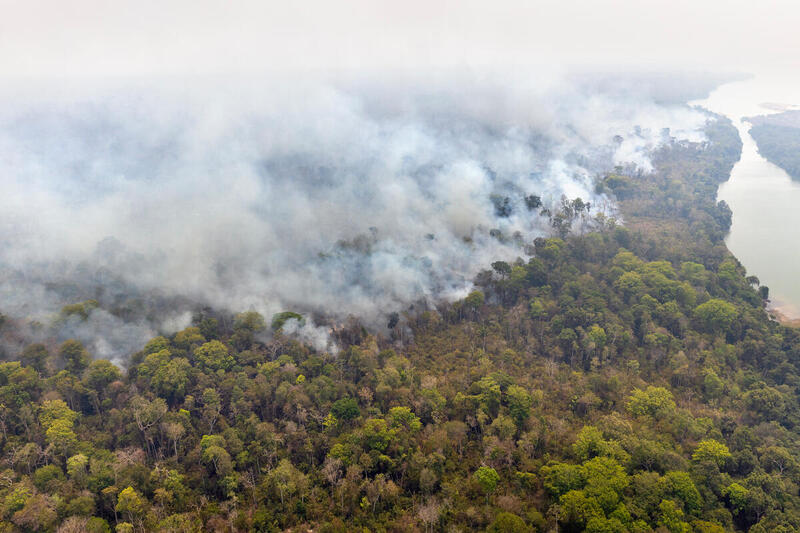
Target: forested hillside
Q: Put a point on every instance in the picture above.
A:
(778, 139)
(621, 377)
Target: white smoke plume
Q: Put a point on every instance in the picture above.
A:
(335, 198)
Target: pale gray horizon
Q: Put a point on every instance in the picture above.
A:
(100, 38)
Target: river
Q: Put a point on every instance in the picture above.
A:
(765, 201)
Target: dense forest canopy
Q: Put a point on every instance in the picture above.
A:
(618, 378)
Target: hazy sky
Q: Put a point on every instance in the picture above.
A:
(142, 37)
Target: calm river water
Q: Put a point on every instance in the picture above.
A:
(765, 235)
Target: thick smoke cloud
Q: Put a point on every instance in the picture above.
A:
(335, 198)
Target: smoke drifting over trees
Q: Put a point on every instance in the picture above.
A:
(334, 198)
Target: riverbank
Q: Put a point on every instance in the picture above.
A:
(762, 196)
(782, 318)
(783, 312)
